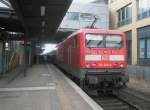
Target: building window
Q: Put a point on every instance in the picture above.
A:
(100, 1)
(129, 46)
(72, 16)
(77, 16)
(144, 42)
(148, 48)
(125, 15)
(144, 45)
(143, 7)
(142, 48)
(86, 17)
(111, 1)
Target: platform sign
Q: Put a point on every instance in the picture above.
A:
(1, 49)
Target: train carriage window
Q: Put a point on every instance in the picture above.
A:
(75, 42)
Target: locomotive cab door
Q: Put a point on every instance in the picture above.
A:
(69, 54)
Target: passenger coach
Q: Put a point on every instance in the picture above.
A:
(97, 58)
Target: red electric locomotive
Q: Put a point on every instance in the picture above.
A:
(96, 57)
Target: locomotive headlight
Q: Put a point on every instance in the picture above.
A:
(121, 65)
(87, 65)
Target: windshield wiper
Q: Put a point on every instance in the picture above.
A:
(99, 43)
(88, 42)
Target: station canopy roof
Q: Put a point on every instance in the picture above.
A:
(38, 19)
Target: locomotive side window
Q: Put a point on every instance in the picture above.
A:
(94, 40)
(113, 41)
(75, 42)
(103, 41)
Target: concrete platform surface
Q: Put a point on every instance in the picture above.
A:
(44, 88)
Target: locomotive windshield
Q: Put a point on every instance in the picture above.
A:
(103, 41)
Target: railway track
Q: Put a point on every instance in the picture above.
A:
(135, 98)
(124, 99)
(120, 100)
(112, 102)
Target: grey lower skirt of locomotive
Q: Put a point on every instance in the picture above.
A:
(97, 79)
(103, 79)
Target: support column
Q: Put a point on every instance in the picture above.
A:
(3, 58)
(25, 58)
(134, 32)
(30, 55)
(37, 59)
(134, 46)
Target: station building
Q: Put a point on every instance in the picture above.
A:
(133, 18)
(82, 15)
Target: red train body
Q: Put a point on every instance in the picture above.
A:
(94, 56)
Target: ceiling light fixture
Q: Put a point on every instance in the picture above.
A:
(43, 8)
(43, 30)
(43, 23)
(2, 28)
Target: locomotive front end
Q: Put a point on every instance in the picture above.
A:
(105, 60)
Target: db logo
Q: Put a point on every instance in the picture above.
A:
(105, 57)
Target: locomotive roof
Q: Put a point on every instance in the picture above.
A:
(93, 31)
(99, 30)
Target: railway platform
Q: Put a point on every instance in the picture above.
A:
(44, 88)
